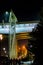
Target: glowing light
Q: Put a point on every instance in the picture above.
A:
(6, 12)
(23, 47)
(3, 48)
(19, 48)
(5, 51)
(23, 52)
(1, 36)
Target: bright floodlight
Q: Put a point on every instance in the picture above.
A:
(3, 48)
(6, 12)
(1, 36)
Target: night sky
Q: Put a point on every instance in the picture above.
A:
(23, 9)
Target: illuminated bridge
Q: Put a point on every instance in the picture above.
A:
(20, 27)
(22, 33)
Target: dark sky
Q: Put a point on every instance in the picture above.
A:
(23, 9)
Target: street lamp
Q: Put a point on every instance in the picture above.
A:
(6, 13)
(1, 36)
(6, 16)
(3, 48)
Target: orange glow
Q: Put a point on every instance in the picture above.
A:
(23, 47)
(19, 48)
(22, 52)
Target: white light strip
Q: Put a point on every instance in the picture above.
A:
(19, 28)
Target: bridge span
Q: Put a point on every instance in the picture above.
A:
(4, 29)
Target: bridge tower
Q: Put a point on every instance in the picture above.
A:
(12, 36)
